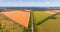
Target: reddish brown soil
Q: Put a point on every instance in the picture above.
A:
(20, 17)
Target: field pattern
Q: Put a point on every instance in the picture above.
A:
(39, 16)
(51, 22)
(20, 17)
(29, 21)
(8, 25)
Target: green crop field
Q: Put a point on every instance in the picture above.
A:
(39, 16)
(51, 23)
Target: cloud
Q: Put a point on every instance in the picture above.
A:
(39, 4)
(25, 3)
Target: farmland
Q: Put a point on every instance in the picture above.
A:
(39, 16)
(14, 21)
(45, 22)
(8, 25)
(29, 21)
(20, 17)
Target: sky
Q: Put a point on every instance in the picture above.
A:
(29, 3)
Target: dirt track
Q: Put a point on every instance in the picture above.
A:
(20, 17)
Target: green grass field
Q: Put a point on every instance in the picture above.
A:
(50, 25)
(39, 16)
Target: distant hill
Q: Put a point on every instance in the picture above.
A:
(29, 8)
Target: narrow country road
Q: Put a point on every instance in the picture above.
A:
(32, 21)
